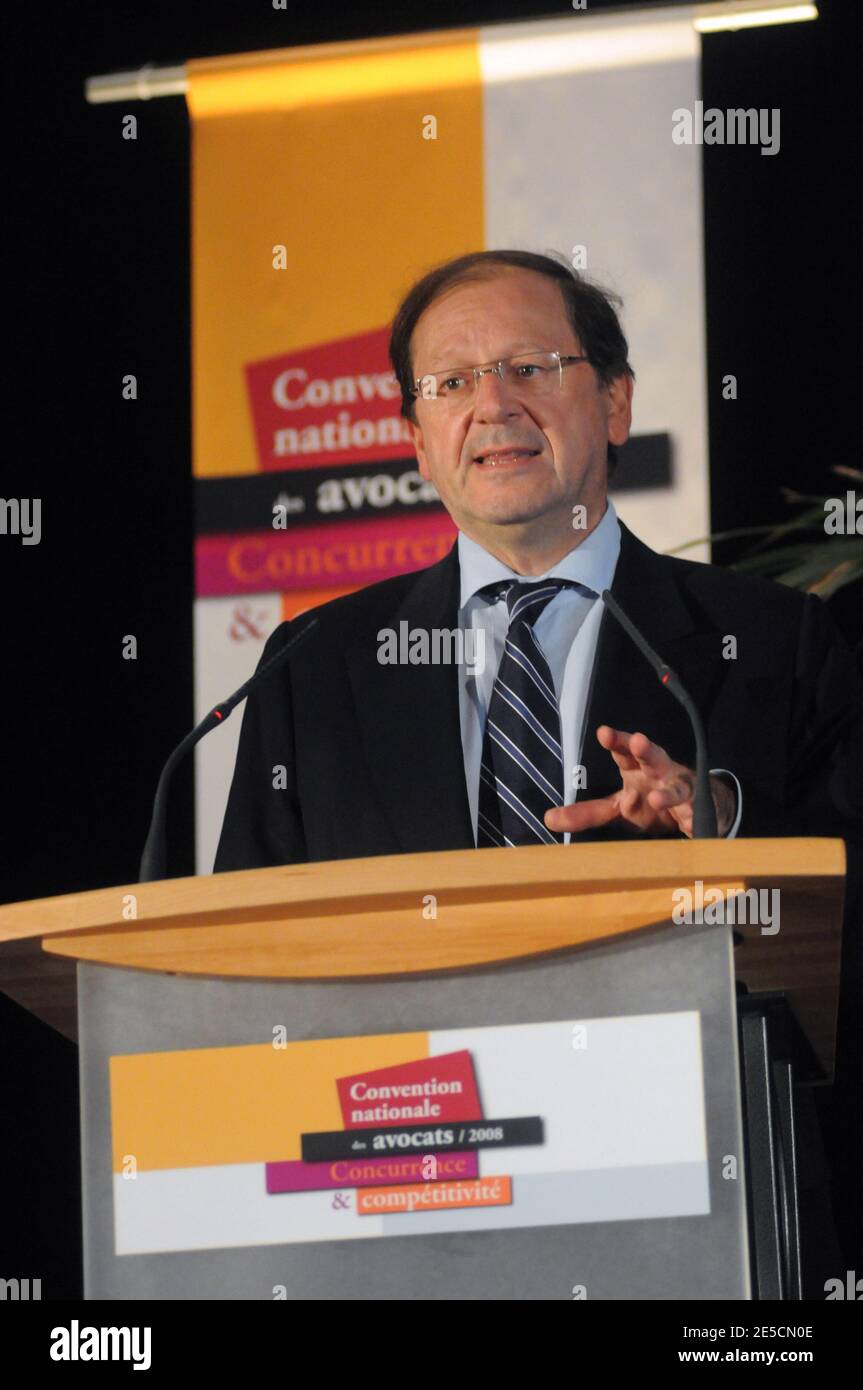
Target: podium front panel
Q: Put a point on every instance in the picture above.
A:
(577, 1252)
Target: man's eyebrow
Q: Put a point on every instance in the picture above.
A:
(453, 359)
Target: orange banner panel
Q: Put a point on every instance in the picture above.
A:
(328, 157)
(237, 1104)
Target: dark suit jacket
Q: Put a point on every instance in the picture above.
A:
(373, 753)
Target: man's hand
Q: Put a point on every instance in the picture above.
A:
(656, 795)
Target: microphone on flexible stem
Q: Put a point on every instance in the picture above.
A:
(703, 810)
(154, 857)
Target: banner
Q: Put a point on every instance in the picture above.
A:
(475, 1129)
(325, 181)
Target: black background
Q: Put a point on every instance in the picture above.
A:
(97, 285)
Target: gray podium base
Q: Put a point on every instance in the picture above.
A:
(693, 1257)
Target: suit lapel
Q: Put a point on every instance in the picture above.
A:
(410, 723)
(626, 693)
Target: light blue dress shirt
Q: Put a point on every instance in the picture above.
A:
(567, 630)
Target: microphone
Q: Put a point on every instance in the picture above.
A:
(703, 810)
(154, 857)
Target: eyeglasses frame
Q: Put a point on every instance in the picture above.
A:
(563, 360)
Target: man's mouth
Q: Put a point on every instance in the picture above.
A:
(502, 457)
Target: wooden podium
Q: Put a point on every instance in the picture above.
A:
(392, 922)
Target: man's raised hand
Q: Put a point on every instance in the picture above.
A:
(656, 796)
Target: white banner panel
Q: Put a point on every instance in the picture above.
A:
(579, 154)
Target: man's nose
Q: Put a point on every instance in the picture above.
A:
(494, 400)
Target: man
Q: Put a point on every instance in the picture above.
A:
(516, 384)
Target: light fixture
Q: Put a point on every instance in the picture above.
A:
(712, 20)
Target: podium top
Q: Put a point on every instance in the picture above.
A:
(419, 913)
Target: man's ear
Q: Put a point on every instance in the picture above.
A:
(419, 450)
(619, 395)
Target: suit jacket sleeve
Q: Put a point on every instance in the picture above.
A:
(263, 822)
(823, 786)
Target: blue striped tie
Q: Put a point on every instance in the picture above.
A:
(521, 775)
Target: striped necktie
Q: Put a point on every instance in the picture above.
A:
(521, 774)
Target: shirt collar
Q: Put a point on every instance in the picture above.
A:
(591, 563)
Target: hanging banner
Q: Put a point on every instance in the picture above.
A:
(325, 181)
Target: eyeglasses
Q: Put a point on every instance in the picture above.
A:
(528, 375)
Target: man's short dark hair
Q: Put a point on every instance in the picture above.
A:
(591, 310)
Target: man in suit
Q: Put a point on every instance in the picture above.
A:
(516, 383)
(517, 387)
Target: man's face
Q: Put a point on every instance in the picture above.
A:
(483, 321)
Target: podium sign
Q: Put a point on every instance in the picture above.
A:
(558, 1128)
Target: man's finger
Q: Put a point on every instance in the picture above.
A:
(635, 752)
(651, 757)
(616, 742)
(583, 815)
(678, 790)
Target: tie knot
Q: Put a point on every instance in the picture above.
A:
(528, 601)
